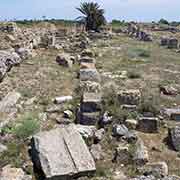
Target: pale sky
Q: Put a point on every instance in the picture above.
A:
(137, 10)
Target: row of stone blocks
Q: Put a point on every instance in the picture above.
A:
(90, 106)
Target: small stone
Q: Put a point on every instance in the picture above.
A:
(64, 60)
(68, 114)
(99, 135)
(131, 123)
(157, 169)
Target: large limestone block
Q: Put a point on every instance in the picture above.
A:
(62, 153)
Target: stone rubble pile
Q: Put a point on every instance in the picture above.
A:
(90, 106)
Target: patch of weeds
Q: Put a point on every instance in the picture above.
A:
(102, 171)
(131, 171)
(134, 75)
(29, 125)
(26, 93)
(44, 100)
(111, 104)
(14, 155)
(132, 115)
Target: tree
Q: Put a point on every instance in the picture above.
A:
(93, 16)
(163, 21)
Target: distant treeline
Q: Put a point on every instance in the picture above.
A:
(73, 22)
(54, 21)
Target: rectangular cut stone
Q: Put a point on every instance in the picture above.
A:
(129, 97)
(91, 102)
(172, 113)
(87, 60)
(149, 124)
(89, 118)
(61, 153)
(89, 75)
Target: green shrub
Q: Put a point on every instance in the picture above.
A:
(28, 126)
(12, 155)
(134, 75)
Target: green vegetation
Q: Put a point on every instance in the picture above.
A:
(93, 16)
(28, 126)
(134, 75)
(163, 21)
(14, 155)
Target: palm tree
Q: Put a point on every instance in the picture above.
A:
(93, 16)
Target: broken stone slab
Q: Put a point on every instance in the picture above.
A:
(89, 75)
(174, 137)
(148, 124)
(8, 107)
(62, 153)
(168, 90)
(119, 130)
(87, 132)
(24, 53)
(172, 113)
(62, 99)
(130, 97)
(9, 173)
(91, 102)
(141, 156)
(157, 169)
(122, 131)
(7, 61)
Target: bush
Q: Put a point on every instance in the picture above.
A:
(27, 127)
(134, 75)
(12, 155)
(163, 21)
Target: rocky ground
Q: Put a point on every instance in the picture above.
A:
(90, 106)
